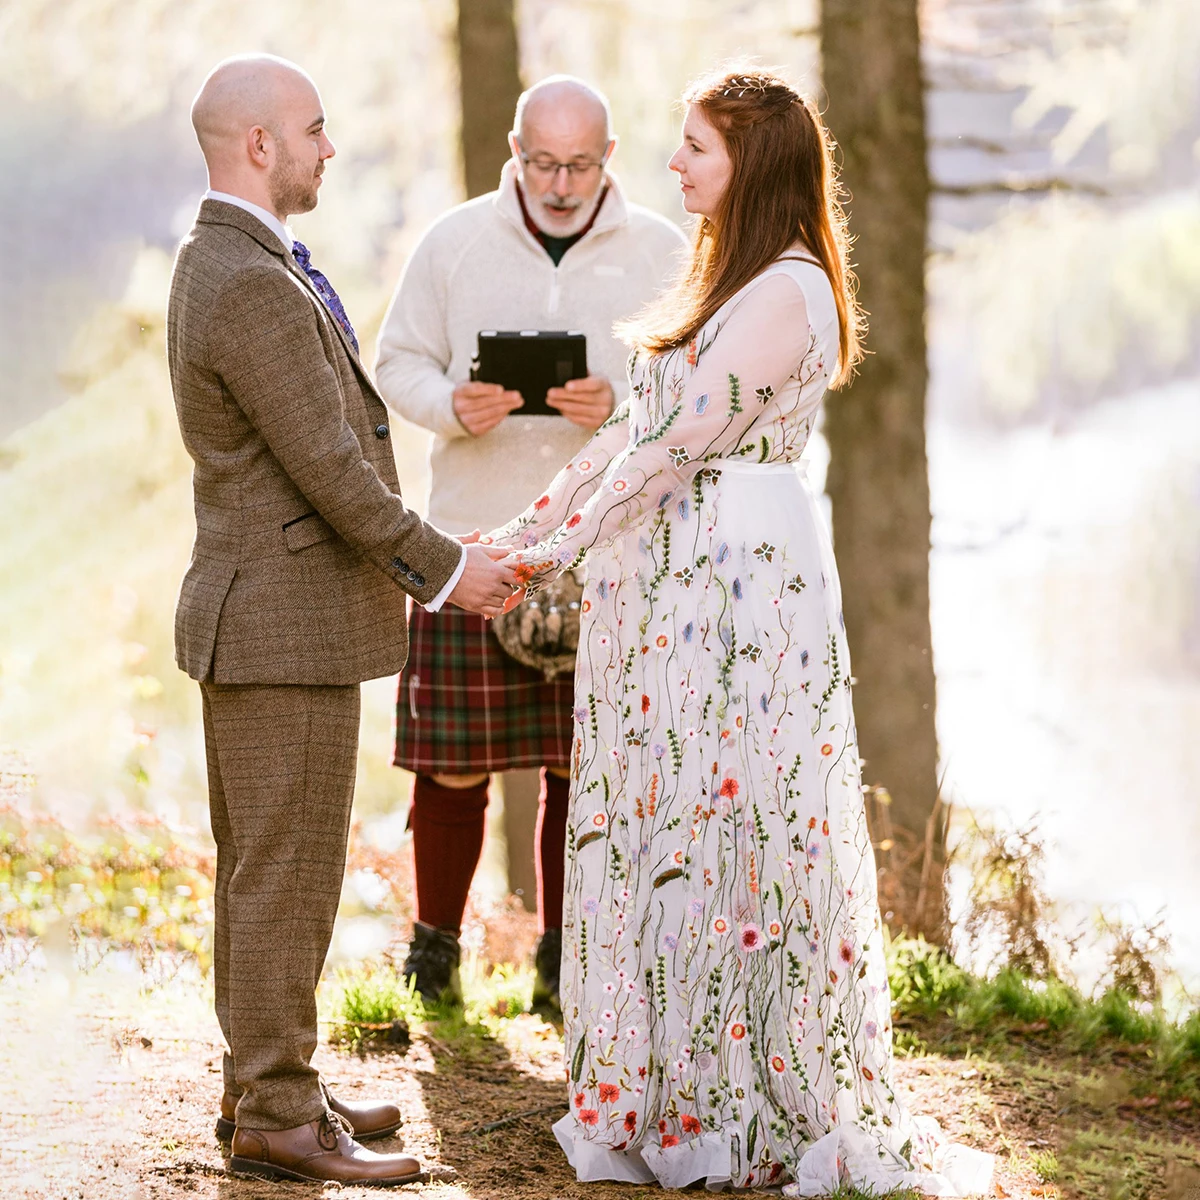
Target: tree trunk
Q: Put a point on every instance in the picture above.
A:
(878, 477)
(489, 84)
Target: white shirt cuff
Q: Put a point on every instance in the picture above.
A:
(440, 599)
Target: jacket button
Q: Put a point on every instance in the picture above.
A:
(399, 564)
(419, 580)
(381, 431)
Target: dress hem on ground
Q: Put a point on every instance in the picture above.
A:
(844, 1156)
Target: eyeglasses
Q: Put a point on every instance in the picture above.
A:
(547, 168)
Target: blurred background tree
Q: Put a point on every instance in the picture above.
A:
(489, 82)
(878, 479)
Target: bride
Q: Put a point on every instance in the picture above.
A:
(727, 1016)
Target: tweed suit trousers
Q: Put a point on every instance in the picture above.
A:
(281, 765)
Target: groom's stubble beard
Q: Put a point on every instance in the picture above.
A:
(292, 187)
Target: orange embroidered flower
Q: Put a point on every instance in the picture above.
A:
(574, 520)
(589, 1116)
(778, 1065)
(690, 1123)
(541, 502)
(661, 641)
(729, 787)
(669, 1139)
(599, 820)
(812, 822)
(867, 1073)
(737, 1031)
(631, 1121)
(578, 1099)
(609, 1093)
(645, 704)
(827, 750)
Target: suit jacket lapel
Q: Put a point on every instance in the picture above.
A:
(215, 212)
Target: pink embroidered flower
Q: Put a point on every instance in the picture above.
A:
(751, 937)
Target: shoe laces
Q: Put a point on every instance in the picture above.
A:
(331, 1124)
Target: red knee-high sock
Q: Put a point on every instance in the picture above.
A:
(447, 829)
(551, 849)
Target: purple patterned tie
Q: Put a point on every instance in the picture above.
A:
(324, 289)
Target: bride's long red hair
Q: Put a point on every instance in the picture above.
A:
(783, 188)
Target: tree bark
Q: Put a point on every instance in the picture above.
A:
(878, 477)
(489, 84)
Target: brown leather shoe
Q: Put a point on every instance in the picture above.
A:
(320, 1151)
(368, 1120)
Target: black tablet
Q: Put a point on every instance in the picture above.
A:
(530, 361)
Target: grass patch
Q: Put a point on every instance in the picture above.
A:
(938, 1005)
(375, 1007)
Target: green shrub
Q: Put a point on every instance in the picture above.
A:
(923, 978)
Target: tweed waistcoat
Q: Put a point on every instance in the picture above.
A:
(304, 552)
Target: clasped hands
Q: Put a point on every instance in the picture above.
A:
(488, 583)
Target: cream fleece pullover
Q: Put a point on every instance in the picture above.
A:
(478, 267)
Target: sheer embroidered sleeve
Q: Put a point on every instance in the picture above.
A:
(761, 343)
(570, 488)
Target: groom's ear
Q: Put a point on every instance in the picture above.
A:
(260, 145)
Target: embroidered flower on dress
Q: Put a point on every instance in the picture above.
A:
(751, 937)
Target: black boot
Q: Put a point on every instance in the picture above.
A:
(433, 958)
(547, 958)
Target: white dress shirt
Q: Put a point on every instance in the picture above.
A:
(277, 227)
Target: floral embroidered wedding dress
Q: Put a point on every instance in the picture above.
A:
(727, 1016)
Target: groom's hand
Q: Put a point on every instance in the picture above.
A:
(485, 584)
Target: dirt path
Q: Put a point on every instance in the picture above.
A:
(113, 1092)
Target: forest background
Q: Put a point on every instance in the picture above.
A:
(1061, 416)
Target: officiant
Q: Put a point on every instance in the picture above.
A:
(556, 247)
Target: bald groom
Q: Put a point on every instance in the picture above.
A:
(296, 592)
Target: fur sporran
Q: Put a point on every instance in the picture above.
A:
(542, 632)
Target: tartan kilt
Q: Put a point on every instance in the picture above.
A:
(464, 706)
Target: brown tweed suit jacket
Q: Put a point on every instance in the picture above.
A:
(304, 549)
